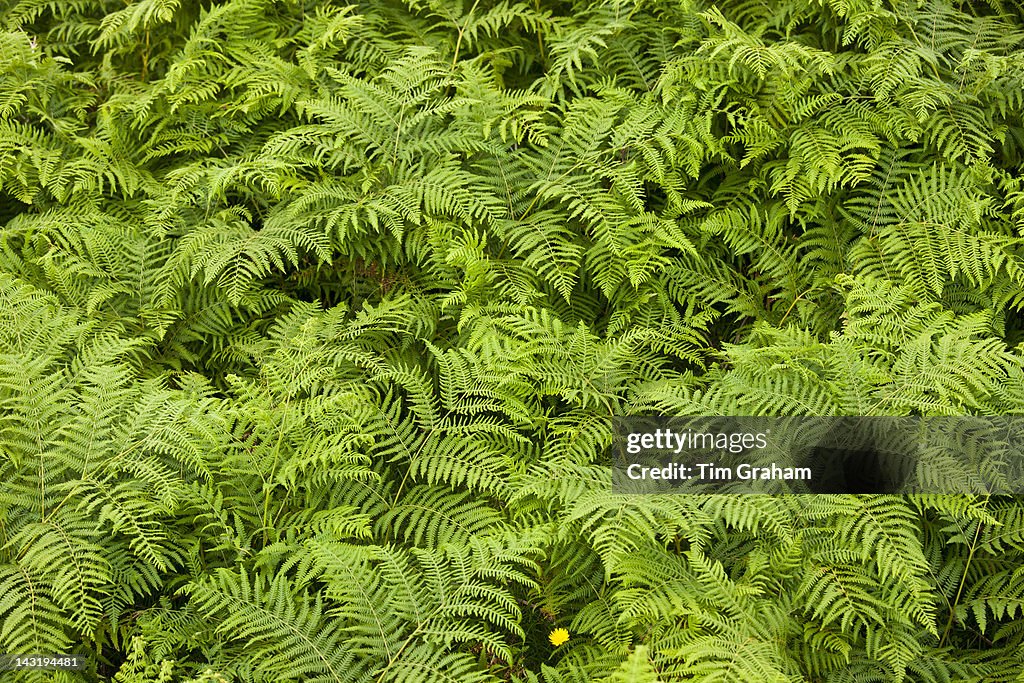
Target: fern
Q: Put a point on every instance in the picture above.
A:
(315, 319)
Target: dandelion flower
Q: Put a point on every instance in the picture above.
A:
(558, 636)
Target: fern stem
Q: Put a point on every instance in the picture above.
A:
(963, 580)
(788, 310)
(458, 41)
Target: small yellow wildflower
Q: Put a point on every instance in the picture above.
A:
(558, 636)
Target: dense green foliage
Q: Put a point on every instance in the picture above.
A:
(313, 316)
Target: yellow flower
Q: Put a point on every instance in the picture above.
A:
(558, 636)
